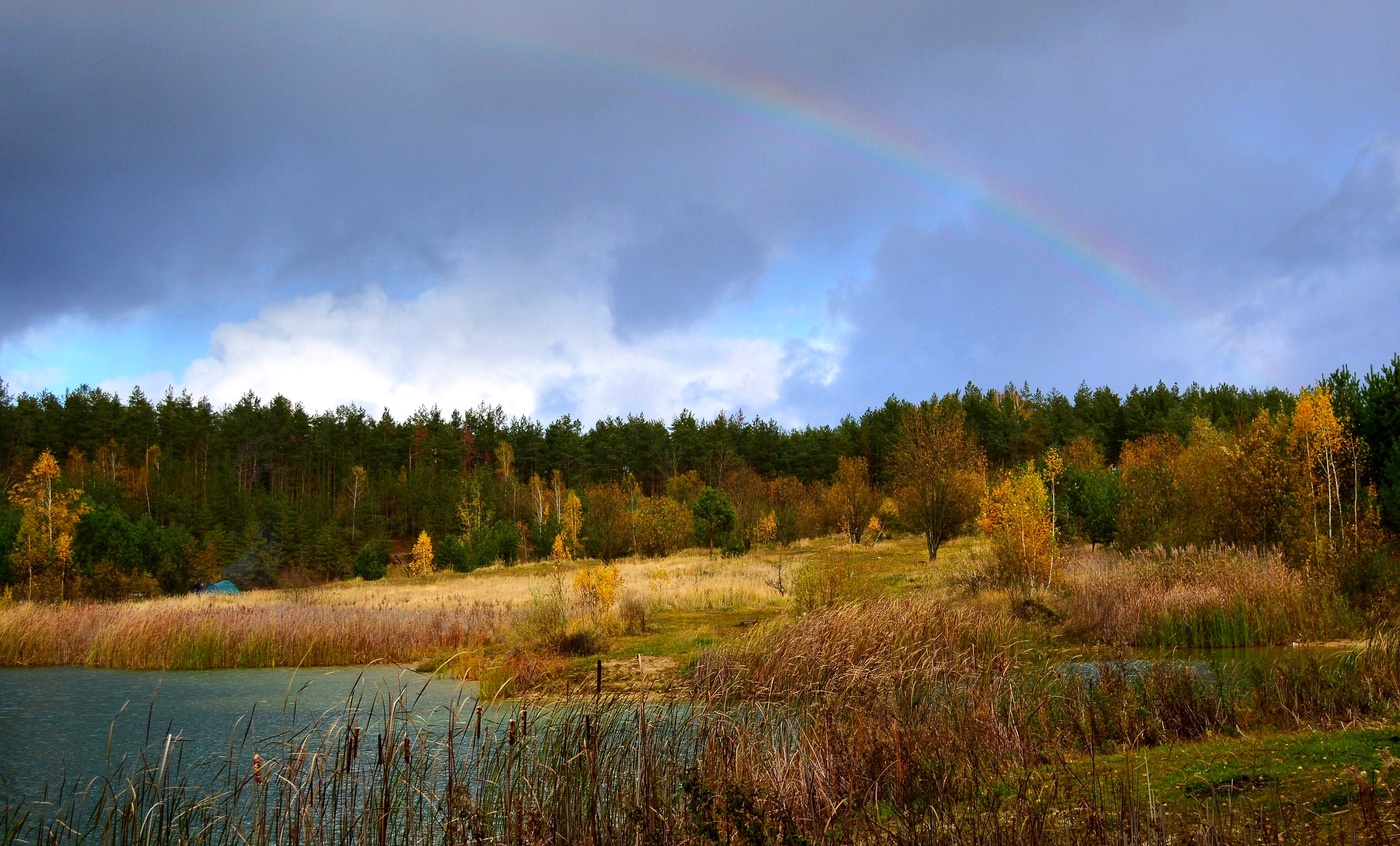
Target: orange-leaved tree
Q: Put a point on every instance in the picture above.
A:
(939, 473)
(851, 499)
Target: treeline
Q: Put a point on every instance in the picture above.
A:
(176, 492)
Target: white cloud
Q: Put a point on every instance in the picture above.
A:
(537, 341)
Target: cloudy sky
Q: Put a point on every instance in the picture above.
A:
(603, 208)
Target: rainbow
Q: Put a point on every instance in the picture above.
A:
(1105, 267)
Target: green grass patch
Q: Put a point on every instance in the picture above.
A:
(1313, 769)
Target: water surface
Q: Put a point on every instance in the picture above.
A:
(64, 722)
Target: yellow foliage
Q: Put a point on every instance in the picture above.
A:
(539, 499)
(422, 561)
(571, 522)
(48, 520)
(1016, 518)
(561, 550)
(596, 588)
(685, 488)
(1321, 442)
(873, 530)
(850, 498)
(662, 526)
(1083, 453)
(472, 511)
(505, 462)
(766, 531)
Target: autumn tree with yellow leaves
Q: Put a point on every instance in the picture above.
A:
(571, 523)
(421, 562)
(1322, 445)
(1016, 519)
(49, 517)
(357, 486)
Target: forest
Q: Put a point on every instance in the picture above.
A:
(109, 497)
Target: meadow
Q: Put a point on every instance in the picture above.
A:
(821, 693)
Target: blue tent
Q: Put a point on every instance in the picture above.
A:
(224, 588)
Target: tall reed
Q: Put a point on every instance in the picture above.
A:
(1198, 598)
(985, 763)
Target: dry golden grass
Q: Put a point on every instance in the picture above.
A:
(690, 580)
(200, 632)
(1217, 597)
(354, 622)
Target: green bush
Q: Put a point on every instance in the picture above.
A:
(372, 562)
(449, 553)
(9, 531)
(499, 541)
(713, 513)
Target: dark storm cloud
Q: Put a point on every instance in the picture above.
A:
(262, 150)
(680, 272)
(182, 144)
(159, 145)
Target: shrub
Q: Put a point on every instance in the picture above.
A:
(452, 554)
(582, 640)
(372, 562)
(596, 589)
(543, 622)
(821, 583)
(632, 612)
(1203, 598)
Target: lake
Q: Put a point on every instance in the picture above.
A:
(58, 722)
